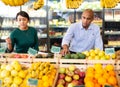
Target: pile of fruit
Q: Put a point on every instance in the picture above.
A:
(109, 3)
(73, 4)
(97, 54)
(14, 2)
(70, 76)
(99, 76)
(14, 75)
(75, 56)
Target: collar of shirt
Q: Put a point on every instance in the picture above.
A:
(89, 28)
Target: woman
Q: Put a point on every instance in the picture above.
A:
(23, 37)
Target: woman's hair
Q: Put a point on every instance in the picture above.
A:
(24, 14)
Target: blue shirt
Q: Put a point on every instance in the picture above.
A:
(80, 39)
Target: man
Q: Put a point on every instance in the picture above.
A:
(83, 35)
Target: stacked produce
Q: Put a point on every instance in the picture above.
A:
(109, 3)
(14, 2)
(97, 54)
(38, 4)
(14, 75)
(75, 56)
(73, 4)
(99, 76)
(70, 76)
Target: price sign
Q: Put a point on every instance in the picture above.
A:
(32, 51)
(32, 82)
(2, 50)
(55, 49)
(80, 86)
(109, 51)
(107, 86)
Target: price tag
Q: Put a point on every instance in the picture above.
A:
(109, 51)
(32, 82)
(107, 86)
(80, 86)
(55, 49)
(32, 51)
(2, 50)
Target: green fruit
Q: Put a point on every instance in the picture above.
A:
(81, 55)
(67, 56)
(74, 56)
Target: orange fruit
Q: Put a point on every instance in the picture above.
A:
(102, 80)
(112, 73)
(112, 80)
(86, 79)
(89, 84)
(97, 85)
(91, 75)
(106, 75)
(115, 86)
(97, 75)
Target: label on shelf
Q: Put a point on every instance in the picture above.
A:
(55, 49)
(32, 51)
(32, 82)
(110, 51)
(2, 50)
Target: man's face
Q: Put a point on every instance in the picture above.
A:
(87, 18)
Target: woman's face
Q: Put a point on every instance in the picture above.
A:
(22, 22)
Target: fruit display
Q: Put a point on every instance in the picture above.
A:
(97, 54)
(14, 2)
(15, 75)
(70, 76)
(75, 56)
(16, 55)
(44, 55)
(73, 4)
(99, 76)
(109, 3)
(38, 4)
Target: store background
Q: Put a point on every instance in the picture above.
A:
(51, 29)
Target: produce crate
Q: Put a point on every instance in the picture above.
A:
(81, 63)
(118, 77)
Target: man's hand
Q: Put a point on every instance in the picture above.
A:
(65, 50)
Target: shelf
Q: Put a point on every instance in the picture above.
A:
(112, 32)
(53, 26)
(115, 46)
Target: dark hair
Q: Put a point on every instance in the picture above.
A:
(24, 14)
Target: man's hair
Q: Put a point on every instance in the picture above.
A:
(90, 11)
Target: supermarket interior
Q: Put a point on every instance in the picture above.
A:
(48, 67)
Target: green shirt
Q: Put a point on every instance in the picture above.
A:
(23, 39)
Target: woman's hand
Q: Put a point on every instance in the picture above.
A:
(8, 40)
